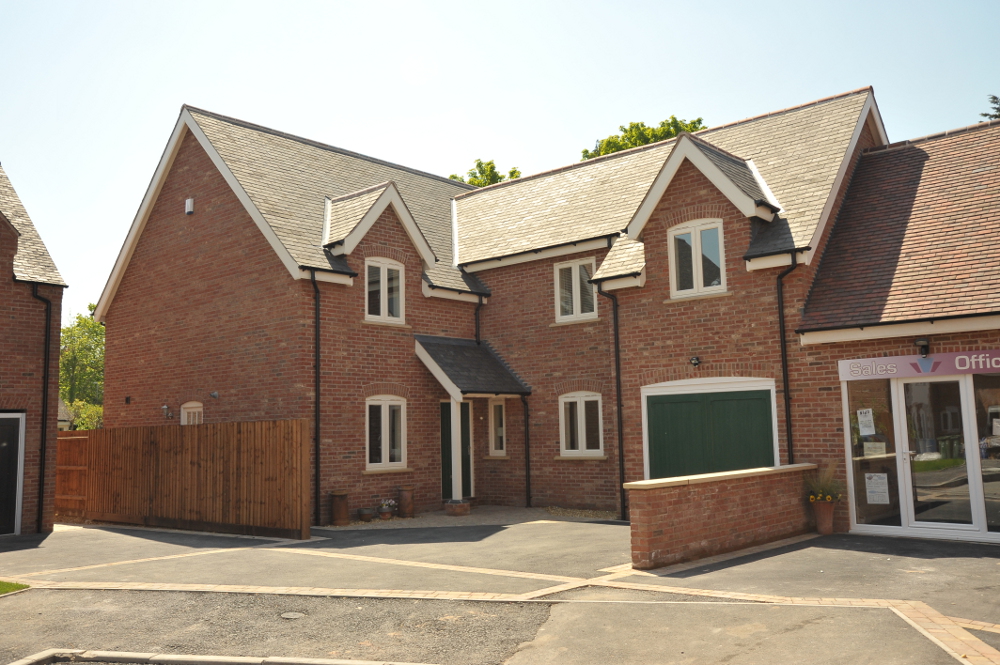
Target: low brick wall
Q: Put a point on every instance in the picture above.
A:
(690, 517)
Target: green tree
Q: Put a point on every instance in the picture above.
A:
(81, 361)
(85, 415)
(485, 173)
(995, 115)
(637, 134)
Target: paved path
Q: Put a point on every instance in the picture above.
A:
(892, 600)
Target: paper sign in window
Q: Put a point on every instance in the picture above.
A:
(866, 422)
(877, 487)
(874, 448)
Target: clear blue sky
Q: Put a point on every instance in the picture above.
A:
(91, 90)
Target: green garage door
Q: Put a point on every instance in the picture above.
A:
(709, 432)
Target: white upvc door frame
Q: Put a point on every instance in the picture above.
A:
(456, 448)
(19, 501)
(978, 530)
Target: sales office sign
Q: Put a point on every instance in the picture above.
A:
(904, 367)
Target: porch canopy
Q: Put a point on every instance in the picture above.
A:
(466, 368)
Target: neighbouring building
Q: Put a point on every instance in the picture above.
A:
(30, 314)
(674, 309)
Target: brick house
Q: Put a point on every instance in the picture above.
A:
(30, 314)
(538, 341)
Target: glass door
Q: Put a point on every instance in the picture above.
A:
(935, 460)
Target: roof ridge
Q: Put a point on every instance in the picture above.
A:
(698, 139)
(323, 146)
(986, 124)
(366, 190)
(659, 144)
(798, 107)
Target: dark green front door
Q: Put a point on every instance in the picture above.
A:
(466, 415)
(709, 432)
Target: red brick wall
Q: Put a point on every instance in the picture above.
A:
(22, 354)
(684, 522)
(205, 305)
(554, 360)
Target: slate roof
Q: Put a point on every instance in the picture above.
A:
(32, 263)
(797, 151)
(288, 178)
(734, 168)
(626, 258)
(916, 236)
(474, 368)
(346, 211)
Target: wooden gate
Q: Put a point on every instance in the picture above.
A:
(247, 477)
(71, 474)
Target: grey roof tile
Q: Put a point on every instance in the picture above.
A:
(474, 368)
(346, 211)
(32, 262)
(797, 152)
(288, 178)
(626, 257)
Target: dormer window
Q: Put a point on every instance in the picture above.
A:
(697, 259)
(384, 297)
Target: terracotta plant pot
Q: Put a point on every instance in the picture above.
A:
(406, 501)
(339, 510)
(824, 517)
(365, 514)
(385, 513)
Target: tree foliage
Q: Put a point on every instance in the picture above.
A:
(637, 134)
(81, 361)
(485, 173)
(85, 415)
(995, 115)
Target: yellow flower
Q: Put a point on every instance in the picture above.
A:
(829, 498)
(812, 498)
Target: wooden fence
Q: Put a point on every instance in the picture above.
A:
(247, 477)
(71, 474)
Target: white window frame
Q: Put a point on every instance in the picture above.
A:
(383, 316)
(194, 409)
(695, 228)
(576, 315)
(19, 497)
(580, 397)
(385, 401)
(503, 425)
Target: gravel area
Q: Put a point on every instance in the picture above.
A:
(420, 631)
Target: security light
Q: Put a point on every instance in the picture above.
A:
(925, 346)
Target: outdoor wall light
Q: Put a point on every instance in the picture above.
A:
(166, 412)
(925, 346)
(695, 361)
(214, 393)
(189, 207)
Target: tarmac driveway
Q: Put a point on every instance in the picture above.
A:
(534, 590)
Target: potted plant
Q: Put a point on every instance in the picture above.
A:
(366, 514)
(824, 492)
(386, 508)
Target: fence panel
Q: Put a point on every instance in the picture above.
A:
(71, 474)
(245, 477)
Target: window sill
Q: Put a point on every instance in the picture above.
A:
(372, 472)
(581, 458)
(387, 324)
(699, 296)
(495, 457)
(574, 322)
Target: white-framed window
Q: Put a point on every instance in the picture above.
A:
(498, 429)
(192, 413)
(386, 427)
(580, 424)
(697, 258)
(576, 298)
(384, 297)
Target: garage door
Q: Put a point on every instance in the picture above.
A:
(709, 432)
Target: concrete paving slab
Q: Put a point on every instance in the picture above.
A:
(266, 567)
(957, 579)
(592, 633)
(70, 547)
(452, 632)
(610, 594)
(574, 549)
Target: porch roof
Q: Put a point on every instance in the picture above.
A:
(465, 367)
